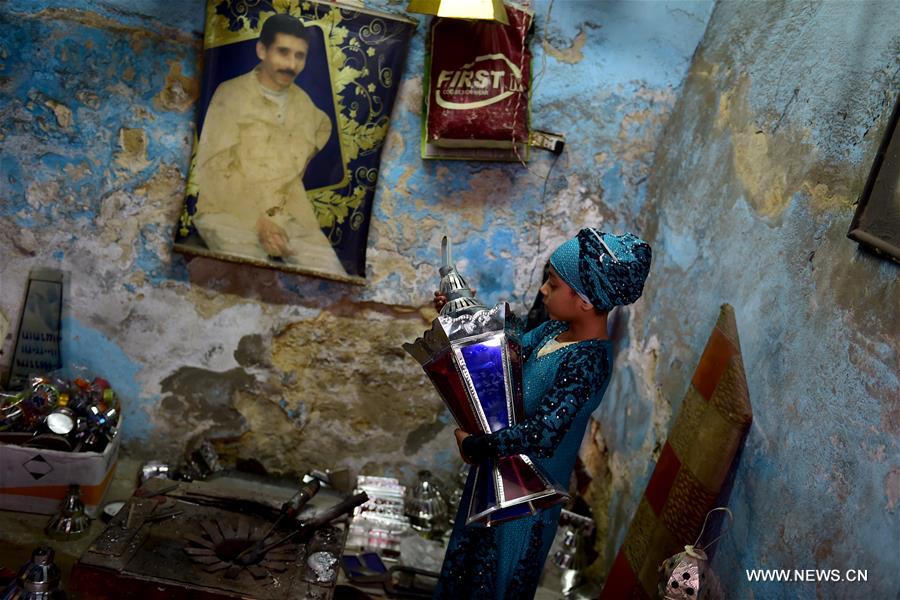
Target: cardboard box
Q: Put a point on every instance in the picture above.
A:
(35, 481)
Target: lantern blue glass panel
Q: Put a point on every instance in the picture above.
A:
(484, 362)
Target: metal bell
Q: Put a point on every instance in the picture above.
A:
(71, 522)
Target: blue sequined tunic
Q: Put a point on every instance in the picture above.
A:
(562, 389)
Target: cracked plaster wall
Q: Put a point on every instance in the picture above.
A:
(753, 190)
(746, 198)
(97, 101)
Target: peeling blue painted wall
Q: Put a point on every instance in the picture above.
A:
(746, 197)
(97, 102)
(97, 120)
(754, 187)
(745, 181)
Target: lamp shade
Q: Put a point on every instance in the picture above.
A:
(489, 10)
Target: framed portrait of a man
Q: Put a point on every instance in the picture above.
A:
(294, 109)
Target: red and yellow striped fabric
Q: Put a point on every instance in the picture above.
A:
(694, 463)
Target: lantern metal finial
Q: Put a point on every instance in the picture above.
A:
(460, 300)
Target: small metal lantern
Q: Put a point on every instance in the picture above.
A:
(569, 552)
(687, 575)
(425, 506)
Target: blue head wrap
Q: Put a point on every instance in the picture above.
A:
(605, 269)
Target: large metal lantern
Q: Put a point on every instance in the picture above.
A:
(473, 357)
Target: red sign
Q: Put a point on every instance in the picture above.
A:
(478, 84)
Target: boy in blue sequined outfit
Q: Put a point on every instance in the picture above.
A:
(568, 361)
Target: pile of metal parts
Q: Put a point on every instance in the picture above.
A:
(58, 414)
(193, 537)
(200, 461)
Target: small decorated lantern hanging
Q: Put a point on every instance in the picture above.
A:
(688, 575)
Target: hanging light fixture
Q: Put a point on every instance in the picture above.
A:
(489, 10)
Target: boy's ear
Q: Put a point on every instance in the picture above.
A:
(584, 304)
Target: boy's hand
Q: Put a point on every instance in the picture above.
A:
(460, 436)
(440, 299)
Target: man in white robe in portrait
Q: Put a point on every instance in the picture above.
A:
(258, 136)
